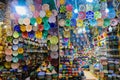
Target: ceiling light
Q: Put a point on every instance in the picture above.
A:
(5, 26)
(35, 24)
(80, 30)
(107, 10)
(84, 30)
(21, 10)
(89, 0)
(110, 29)
(76, 11)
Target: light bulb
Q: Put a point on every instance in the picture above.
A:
(84, 30)
(35, 24)
(5, 26)
(107, 10)
(76, 10)
(21, 10)
(110, 29)
(89, 0)
(79, 30)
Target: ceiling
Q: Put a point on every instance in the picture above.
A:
(4, 1)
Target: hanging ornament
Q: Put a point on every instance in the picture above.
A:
(75, 15)
(48, 13)
(62, 9)
(45, 33)
(79, 23)
(53, 31)
(62, 2)
(61, 22)
(20, 50)
(38, 7)
(40, 27)
(103, 5)
(7, 65)
(111, 13)
(113, 22)
(106, 22)
(53, 47)
(69, 7)
(104, 35)
(66, 29)
(89, 15)
(42, 13)
(32, 7)
(25, 34)
(9, 32)
(45, 7)
(82, 7)
(53, 25)
(35, 28)
(39, 20)
(36, 14)
(32, 21)
(104, 14)
(15, 65)
(97, 15)
(82, 15)
(54, 12)
(89, 7)
(15, 59)
(8, 51)
(87, 29)
(28, 28)
(96, 7)
(29, 2)
(38, 1)
(73, 22)
(26, 21)
(86, 22)
(23, 28)
(17, 28)
(67, 23)
(9, 39)
(15, 34)
(15, 53)
(14, 47)
(46, 26)
(93, 22)
(110, 29)
(31, 34)
(62, 52)
(100, 22)
(8, 58)
(66, 34)
(53, 40)
(38, 34)
(68, 14)
(30, 14)
(45, 19)
(15, 41)
(52, 19)
(54, 55)
(20, 56)
(20, 21)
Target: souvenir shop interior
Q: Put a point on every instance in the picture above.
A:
(59, 39)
